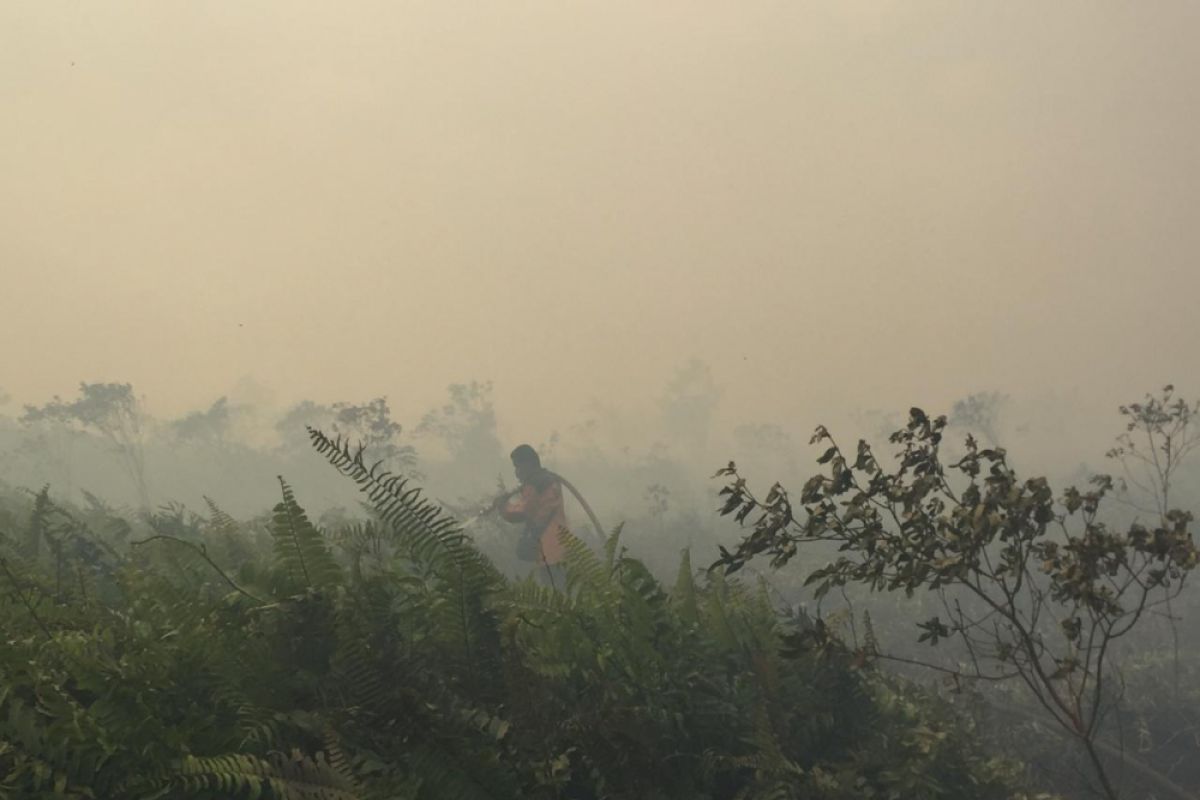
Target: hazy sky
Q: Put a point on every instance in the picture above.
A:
(870, 204)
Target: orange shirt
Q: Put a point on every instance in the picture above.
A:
(542, 512)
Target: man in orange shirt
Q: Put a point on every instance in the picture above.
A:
(539, 505)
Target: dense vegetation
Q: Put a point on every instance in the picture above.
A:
(387, 654)
(1036, 589)
(182, 655)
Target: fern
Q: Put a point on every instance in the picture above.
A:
(684, 593)
(464, 581)
(612, 547)
(417, 672)
(39, 523)
(301, 552)
(586, 572)
(358, 677)
(220, 521)
(870, 641)
(286, 777)
(426, 533)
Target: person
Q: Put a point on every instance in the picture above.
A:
(538, 505)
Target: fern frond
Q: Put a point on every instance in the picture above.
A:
(363, 543)
(359, 679)
(684, 593)
(338, 761)
(300, 549)
(286, 777)
(421, 527)
(39, 523)
(717, 614)
(530, 596)
(612, 548)
(585, 571)
(464, 581)
(220, 521)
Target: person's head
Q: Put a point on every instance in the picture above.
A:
(526, 462)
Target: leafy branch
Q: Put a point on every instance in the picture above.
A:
(1042, 587)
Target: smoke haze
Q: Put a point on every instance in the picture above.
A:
(842, 205)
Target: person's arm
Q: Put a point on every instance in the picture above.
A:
(516, 508)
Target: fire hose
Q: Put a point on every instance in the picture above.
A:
(596, 526)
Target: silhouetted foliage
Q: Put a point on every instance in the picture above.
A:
(1035, 588)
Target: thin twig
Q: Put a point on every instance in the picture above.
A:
(204, 555)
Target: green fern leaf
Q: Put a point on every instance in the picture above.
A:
(300, 549)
